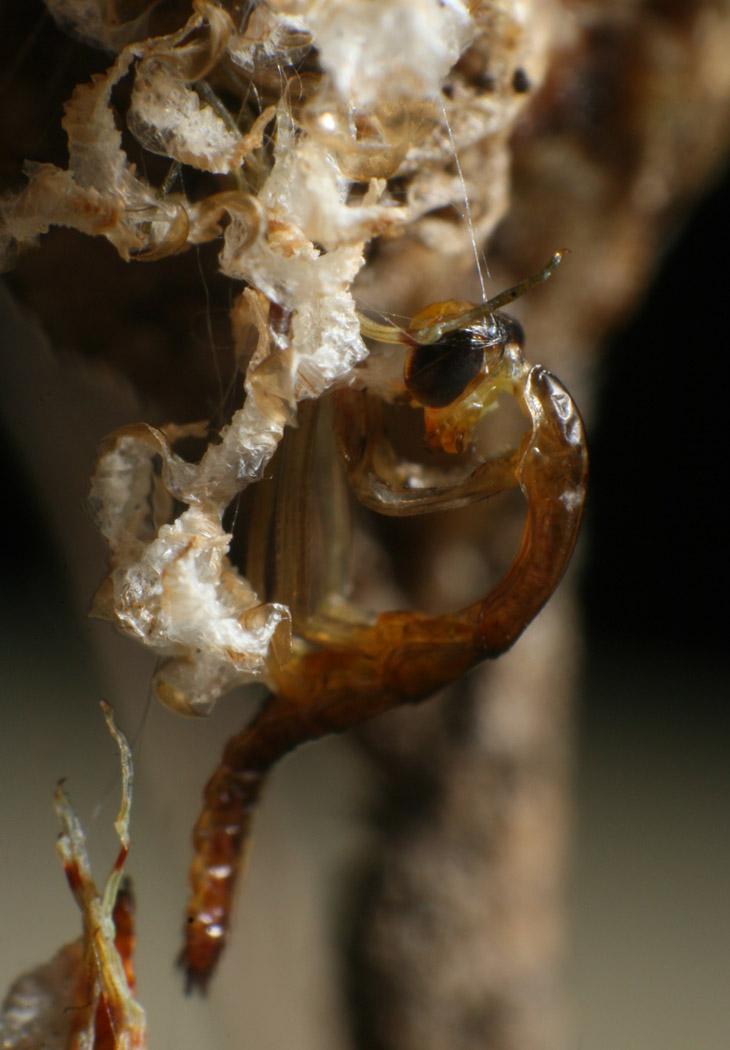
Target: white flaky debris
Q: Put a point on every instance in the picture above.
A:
(36, 1011)
(171, 584)
(269, 37)
(298, 242)
(101, 192)
(409, 45)
(54, 1007)
(95, 22)
(166, 116)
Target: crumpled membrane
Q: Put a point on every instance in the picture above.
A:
(298, 243)
(270, 38)
(166, 117)
(171, 585)
(101, 192)
(54, 1007)
(413, 47)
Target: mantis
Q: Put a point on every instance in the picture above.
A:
(345, 669)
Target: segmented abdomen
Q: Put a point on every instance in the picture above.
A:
(220, 840)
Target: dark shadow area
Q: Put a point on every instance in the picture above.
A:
(657, 534)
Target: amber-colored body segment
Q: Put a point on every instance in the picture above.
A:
(220, 840)
(333, 683)
(125, 939)
(106, 1027)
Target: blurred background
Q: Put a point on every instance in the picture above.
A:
(652, 917)
(648, 888)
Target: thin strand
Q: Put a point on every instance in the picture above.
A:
(467, 207)
(236, 507)
(173, 174)
(209, 325)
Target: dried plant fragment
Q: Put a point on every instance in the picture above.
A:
(84, 998)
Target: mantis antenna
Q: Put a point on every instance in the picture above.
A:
(433, 332)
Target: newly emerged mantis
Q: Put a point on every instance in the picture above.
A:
(344, 670)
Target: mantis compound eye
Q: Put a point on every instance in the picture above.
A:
(437, 374)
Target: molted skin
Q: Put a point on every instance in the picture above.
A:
(339, 679)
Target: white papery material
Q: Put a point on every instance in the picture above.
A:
(299, 243)
(269, 34)
(36, 1012)
(388, 48)
(167, 117)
